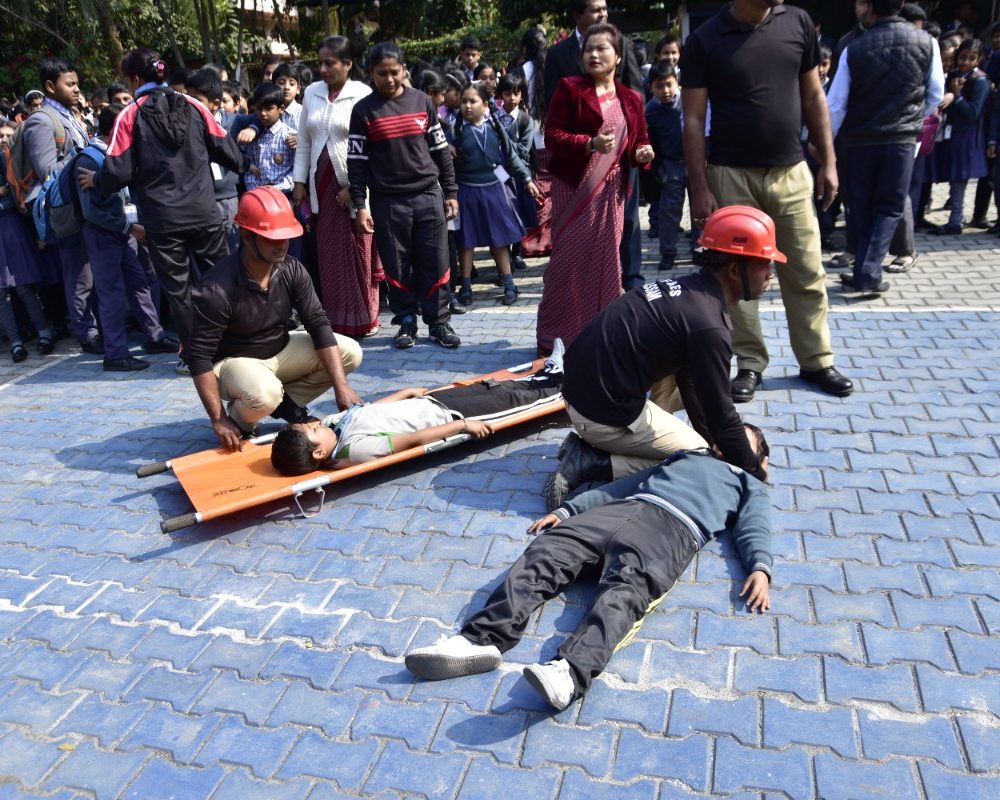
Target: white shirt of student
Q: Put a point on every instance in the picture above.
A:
(370, 431)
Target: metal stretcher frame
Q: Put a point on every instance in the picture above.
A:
(219, 483)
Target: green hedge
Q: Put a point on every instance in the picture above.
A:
(500, 45)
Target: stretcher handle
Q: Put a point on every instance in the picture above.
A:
(176, 523)
(319, 507)
(152, 469)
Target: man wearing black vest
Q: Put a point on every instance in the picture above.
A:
(563, 61)
(888, 80)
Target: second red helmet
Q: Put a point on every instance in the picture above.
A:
(742, 231)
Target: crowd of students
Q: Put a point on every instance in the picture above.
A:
(404, 212)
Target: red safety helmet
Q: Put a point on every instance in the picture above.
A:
(742, 231)
(267, 212)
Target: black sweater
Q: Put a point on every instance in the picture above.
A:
(676, 326)
(396, 146)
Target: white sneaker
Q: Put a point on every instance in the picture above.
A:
(452, 657)
(181, 367)
(554, 363)
(552, 681)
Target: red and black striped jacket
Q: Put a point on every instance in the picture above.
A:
(396, 146)
(162, 147)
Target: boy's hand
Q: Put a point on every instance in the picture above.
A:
(540, 524)
(758, 591)
(85, 178)
(477, 428)
(292, 140)
(533, 190)
(246, 136)
(450, 209)
(139, 232)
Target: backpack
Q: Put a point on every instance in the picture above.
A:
(57, 212)
(20, 174)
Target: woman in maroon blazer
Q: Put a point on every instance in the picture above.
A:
(595, 130)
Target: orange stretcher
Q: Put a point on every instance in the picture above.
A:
(218, 482)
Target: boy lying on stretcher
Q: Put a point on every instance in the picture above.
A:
(408, 418)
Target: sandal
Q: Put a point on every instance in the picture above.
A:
(18, 353)
(45, 346)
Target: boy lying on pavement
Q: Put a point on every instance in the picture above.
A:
(642, 531)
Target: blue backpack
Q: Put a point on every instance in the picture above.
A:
(57, 212)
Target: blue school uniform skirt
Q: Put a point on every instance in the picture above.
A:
(487, 217)
(18, 256)
(961, 158)
(527, 210)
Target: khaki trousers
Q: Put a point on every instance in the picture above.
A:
(650, 438)
(253, 387)
(786, 195)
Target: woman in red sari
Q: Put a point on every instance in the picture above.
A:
(349, 267)
(595, 129)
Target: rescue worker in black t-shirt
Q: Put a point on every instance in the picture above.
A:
(670, 339)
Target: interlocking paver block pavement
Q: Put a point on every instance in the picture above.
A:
(260, 656)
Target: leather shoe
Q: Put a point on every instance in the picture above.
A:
(828, 380)
(847, 281)
(93, 346)
(579, 463)
(744, 385)
(127, 364)
(168, 344)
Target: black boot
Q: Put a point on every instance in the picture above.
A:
(578, 463)
(290, 411)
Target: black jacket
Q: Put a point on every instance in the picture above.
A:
(888, 64)
(676, 326)
(563, 61)
(162, 147)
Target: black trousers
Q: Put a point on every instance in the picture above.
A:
(630, 248)
(879, 179)
(487, 399)
(640, 550)
(411, 234)
(171, 254)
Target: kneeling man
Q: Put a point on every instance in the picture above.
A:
(641, 531)
(241, 352)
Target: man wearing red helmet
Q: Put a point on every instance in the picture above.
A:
(670, 338)
(240, 351)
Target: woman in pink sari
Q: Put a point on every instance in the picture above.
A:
(349, 267)
(595, 129)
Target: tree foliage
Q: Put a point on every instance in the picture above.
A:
(94, 34)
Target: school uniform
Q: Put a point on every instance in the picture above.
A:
(119, 278)
(520, 129)
(663, 123)
(488, 215)
(48, 149)
(19, 265)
